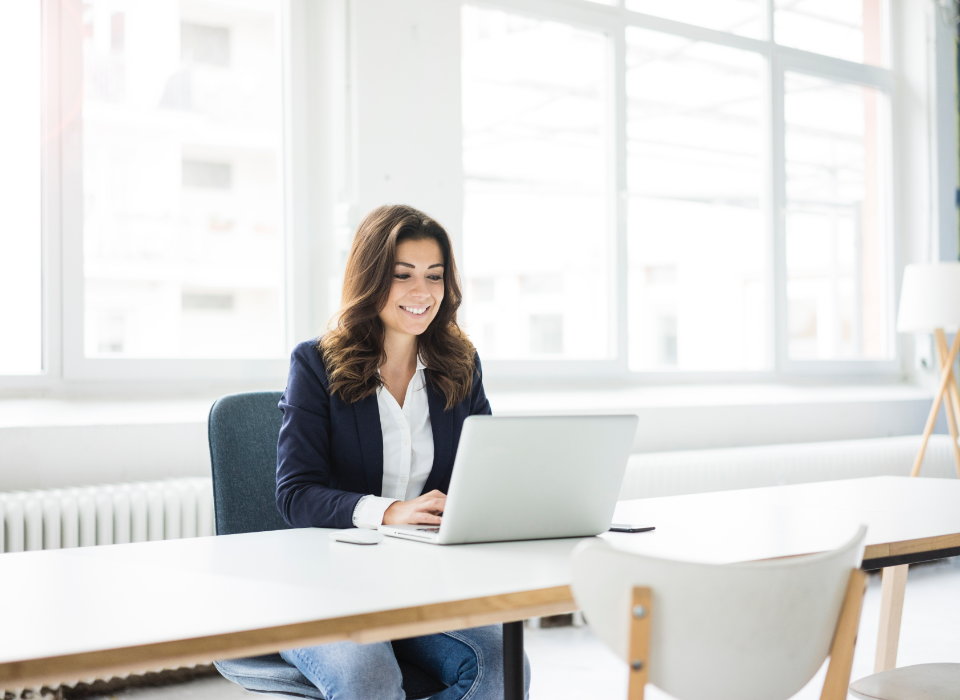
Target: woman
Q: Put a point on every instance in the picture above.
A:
(372, 415)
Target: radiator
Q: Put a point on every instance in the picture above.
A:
(113, 514)
(699, 471)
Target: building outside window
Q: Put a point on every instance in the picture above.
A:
(183, 242)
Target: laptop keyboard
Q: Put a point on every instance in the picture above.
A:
(433, 528)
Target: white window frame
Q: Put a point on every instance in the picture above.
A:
(76, 366)
(50, 239)
(311, 85)
(613, 20)
(64, 361)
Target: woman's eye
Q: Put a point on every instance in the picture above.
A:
(402, 277)
(435, 278)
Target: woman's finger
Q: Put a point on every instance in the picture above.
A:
(427, 519)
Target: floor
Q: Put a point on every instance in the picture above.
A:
(570, 664)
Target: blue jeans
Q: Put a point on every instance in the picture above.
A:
(469, 661)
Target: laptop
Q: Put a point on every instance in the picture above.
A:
(531, 478)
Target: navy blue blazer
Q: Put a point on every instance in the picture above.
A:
(330, 453)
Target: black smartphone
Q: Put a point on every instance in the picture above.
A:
(620, 527)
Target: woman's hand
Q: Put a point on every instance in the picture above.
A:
(424, 510)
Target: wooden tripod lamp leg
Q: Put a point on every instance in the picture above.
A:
(845, 639)
(640, 610)
(932, 418)
(951, 400)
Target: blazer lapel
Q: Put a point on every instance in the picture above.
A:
(371, 442)
(441, 421)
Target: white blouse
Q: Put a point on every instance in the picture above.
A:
(407, 450)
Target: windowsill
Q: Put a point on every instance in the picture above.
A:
(48, 412)
(698, 396)
(58, 442)
(29, 413)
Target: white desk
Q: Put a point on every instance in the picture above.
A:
(99, 611)
(107, 610)
(908, 520)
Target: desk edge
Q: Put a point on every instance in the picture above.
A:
(367, 627)
(878, 556)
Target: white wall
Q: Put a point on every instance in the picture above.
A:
(943, 67)
(922, 53)
(56, 456)
(406, 107)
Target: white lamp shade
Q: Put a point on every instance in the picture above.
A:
(930, 298)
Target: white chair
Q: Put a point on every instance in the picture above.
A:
(756, 631)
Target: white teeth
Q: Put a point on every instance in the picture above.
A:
(415, 309)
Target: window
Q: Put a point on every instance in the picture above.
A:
(849, 29)
(671, 189)
(651, 188)
(183, 243)
(21, 298)
(837, 251)
(536, 231)
(744, 17)
(695, 227)
(201, 43)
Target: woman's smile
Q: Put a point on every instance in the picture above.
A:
(416, 311)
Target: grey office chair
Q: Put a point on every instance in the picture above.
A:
(243, 431)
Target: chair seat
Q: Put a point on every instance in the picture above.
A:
(920, 682)
(271, 674)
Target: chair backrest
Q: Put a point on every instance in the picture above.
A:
(750, 631)
(243, 431)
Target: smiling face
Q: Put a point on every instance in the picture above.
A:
(417, 288)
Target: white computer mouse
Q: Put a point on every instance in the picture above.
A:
(357, 535)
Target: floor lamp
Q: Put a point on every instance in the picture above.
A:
(930, 302)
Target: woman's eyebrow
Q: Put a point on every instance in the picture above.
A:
(413, 267)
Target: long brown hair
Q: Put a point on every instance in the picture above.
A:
(353, 348)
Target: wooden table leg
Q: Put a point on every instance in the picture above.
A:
(513, 661)
(892, 590)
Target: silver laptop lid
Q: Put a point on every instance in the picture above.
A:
(519, 478)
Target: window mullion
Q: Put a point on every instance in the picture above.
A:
(777, 221)
(618, 194)
(70, 137)
(52, 306)
(799, 61)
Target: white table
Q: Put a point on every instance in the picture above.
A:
(100, 611)
(908, 521)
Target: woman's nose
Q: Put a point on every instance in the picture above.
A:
(420, 290)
